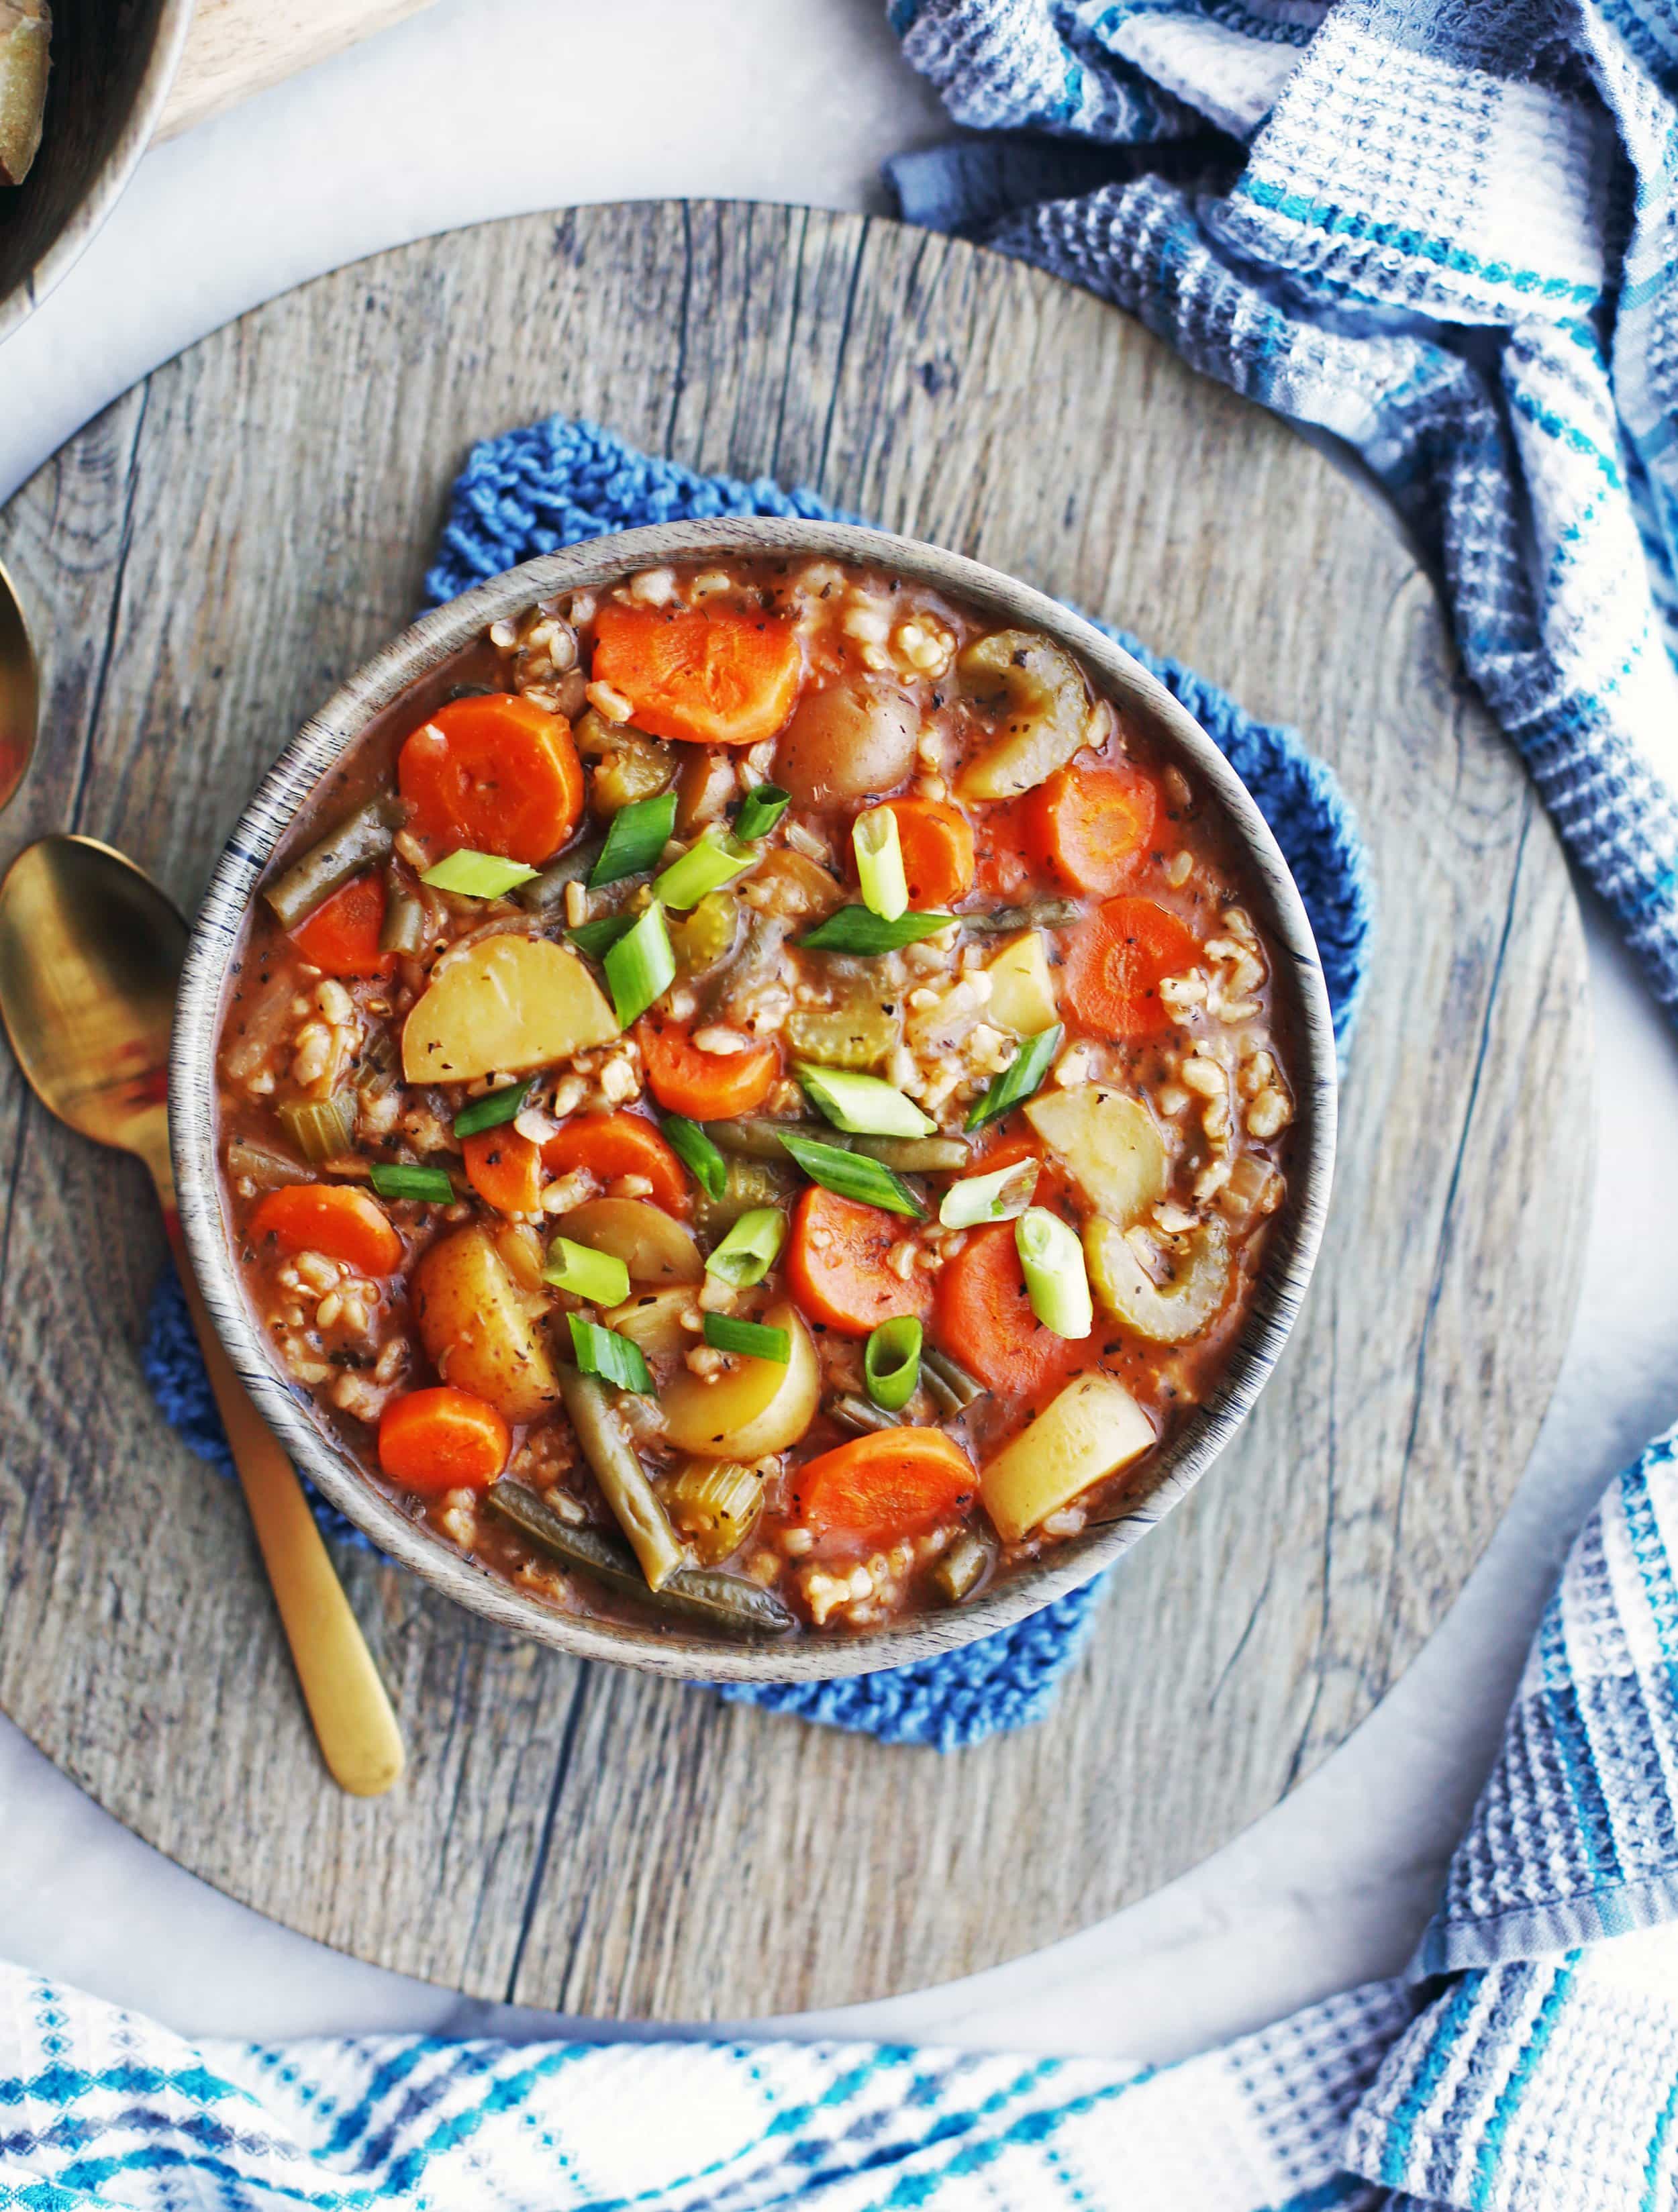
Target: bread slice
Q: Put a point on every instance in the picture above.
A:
(26, 30)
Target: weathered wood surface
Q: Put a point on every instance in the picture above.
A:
(220, 548)
(238, 47)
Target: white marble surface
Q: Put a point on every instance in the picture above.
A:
(487, 107)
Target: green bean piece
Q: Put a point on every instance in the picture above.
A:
(746, 1185)
(959, 1571)
(916, 1155)
(1037, 914)
(950, 1388)
(571, 867)
(860, 1418)
(753, 1137)
(728, 1603)
(404, 930)
(359, 840)
(636, 1505)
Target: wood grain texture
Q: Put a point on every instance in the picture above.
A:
(238, 47)
(225, 544)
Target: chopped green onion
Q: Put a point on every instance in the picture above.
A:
(749, 1249)
(1002, 1195)
(495, 1108)
(1056, 1281)
(430, 1186)
(862, 1105)
(597, 938)
(599, 1277)
(697, 1153)
(1019, 1080)
(760, 810)
(478, 875)
(749, 1337)
(713, 858)
(640, 967)
(639, 833)
(891, 1362)
(853, 929)
(879, 862)
(604, 1353)
(852, 1176)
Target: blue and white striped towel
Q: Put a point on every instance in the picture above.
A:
(1535, 2070)
(1446, 230)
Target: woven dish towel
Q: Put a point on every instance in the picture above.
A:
(535, 490)
(1540, 2076)
(1446, 230)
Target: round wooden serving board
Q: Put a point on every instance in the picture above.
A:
(209, 558)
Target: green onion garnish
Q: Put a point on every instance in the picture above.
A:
(597, 938)
(891, 1362)
(879, 862)
(713, 858)
(640, 967)
(599, 1277)
(639, 833)
(493, 1108)
(749, 1337)
(478, 875)
(430, 1186)
(697, 1153)
(853, 929)
(1019, 1079)
(862, 1105)
(761, 810)
(1056, 1281)
(852, 1176)
(1001, 1195)
(749, 1249)
(602, 1352)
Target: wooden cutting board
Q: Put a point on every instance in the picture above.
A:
(209, 557)
(238, 47)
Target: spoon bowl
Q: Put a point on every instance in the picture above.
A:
(20, 691)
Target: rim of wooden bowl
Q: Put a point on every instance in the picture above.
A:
(686, 1652)
(110, 178)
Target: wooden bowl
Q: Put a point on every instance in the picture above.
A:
(112, 62)
(318, 749)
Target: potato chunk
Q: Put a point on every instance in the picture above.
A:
(754, 1408)
(1107, 1143)
(1164, 1313)
(1094, 1428)
(1022, 987)
(655, 1320)
(846, 741)
(503, 1007)
(477, 1330)
(655, 1248)
(1037, 693)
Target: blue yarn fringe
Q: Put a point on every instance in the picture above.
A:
(536, 491)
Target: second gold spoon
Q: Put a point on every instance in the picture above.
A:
(90, 955)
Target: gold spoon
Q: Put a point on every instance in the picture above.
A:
(90, 957)
(20, 691)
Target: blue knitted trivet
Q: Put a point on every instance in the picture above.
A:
(535, 490)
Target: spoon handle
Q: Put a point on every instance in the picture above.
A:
(354, 1724)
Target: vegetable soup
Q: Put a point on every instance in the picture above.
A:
(754, 1100)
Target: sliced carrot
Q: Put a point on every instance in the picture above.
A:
(719, 678)
(504, 1169)
(1092, 825)
(442, 1439)
(937, 840)
(613, 1144)
(337, 1218)
(838, 1265)
(708, 1086)
(1117, 961)
(495, 775)
(899, 1483)
(341, 936)
(1005, 867)
(984, 1318)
